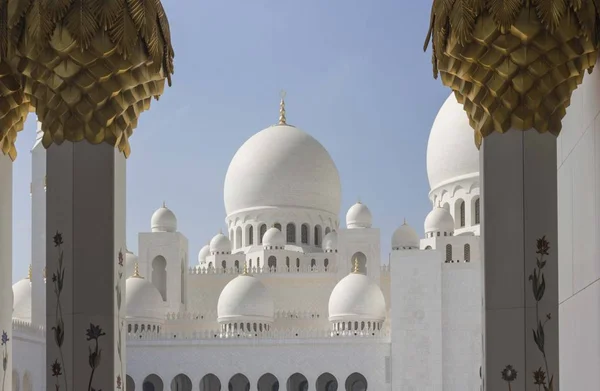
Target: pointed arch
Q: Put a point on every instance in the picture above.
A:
(290, 232)
(159, 275)
(261, 232)
(448, 253)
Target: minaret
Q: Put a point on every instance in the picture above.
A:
(38, 230)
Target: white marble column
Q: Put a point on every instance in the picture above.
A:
(38, 230)
(519, 196)
(85, 225)
(6, 294)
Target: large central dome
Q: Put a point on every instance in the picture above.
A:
(451, 151)
(282, 166)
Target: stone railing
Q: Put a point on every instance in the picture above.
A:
(27, 329)
(262, 270)
(215, 335)
(282, 314)
(191, 316)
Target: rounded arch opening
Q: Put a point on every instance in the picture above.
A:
(238, 237)
(362, 262)
(153, 383)
(356, 382)
(304, 233)
(210, 382)
(239, 382)
(129, 383)
(181, 382)
(327, 382)
(476, 208)
(297, 382)
(268, 382)
(159, 275)
(459, 214)
(272, 262)
(290, 233)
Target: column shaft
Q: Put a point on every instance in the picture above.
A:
(85, 226)
(520, 313)
(6, 294)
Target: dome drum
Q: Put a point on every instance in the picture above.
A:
(363, 327)
(245, 328)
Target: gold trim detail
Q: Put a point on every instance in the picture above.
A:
(282, 119)
(88, 69)
(356, 269)
(513, 64)
(136, 271)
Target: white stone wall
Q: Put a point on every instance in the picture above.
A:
(311, 358)
(578, 152)
(416, 320)
(29, 358)
(461, 330)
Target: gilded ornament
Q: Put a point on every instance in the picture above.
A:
(514, 63)
(87, 67)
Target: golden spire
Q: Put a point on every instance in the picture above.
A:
(245, 273)
(136, 271)
(282, 120)
(164, 204)
(44, 273)
(356, 269)
(404, 221)
(29, 273)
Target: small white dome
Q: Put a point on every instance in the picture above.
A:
(143, 300)
(356, 298)
(359, 216)
(330, 241)
(451, 150)
(22, 300)
(243, 299)
(220, 244)
(204, 252)
(163, 220)
(439, 220)
(282, 166)
(405, 236)
(273, 237)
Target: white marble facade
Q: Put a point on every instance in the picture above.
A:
(290, 297)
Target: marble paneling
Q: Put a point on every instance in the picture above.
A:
(572, 124)
(565, 231)
(585, 267)
(579, 342)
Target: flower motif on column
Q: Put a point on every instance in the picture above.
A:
(4, 344)
(58, 280)
(538, 285)
(509, 375)
(93, 334)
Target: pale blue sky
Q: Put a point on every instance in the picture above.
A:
(356, 79)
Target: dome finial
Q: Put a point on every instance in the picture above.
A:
(245, 272)
(30, 272)
(136, 271)
(164, 204)
(282, 119)
(356, 269)
(404, 221)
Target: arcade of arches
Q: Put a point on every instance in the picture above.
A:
(239, 382)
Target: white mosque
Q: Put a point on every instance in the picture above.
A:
(290, 297)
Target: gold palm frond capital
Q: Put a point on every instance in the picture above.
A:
(513, 64)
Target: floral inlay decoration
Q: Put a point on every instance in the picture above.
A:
(4, 344)
(58, 281)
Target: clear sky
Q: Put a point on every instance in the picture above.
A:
(356, 79)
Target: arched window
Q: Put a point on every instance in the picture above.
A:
(210, 383)
(261, 232)
(356, 382)
(287, 262)
(224, 265)
(268, 382)
(181, 382)
(159, 275)
(258, 262)
(250, 264)
(298, 263)
(313, 263)
(297, 382)
(477, 212)
(467, 252)
(278, 226)
(238, 237)
(239, 382)
(291, 233)
(250, 235)
(428, 248)
(327, 230)
(272, 262)
(152, 383)
(304, 233)
(317, 235)
(327, 382)
(326, 263)
(462, 214)
(210, 265)
(448, 252)
(237, 265)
